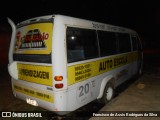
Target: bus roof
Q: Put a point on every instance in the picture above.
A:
(72, 21)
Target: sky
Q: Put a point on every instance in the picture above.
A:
(140, 15)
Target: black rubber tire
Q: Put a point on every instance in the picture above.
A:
(108, 94)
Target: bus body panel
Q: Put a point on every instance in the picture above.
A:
(59, 58)
(30, 91)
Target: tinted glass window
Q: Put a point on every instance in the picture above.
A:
(107, 42)
(134, 43)
(139, 44)
(81, 44)
(124, 42)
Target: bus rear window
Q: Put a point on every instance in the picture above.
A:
(32, 58)
(33, 42)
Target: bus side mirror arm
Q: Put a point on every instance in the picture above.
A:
(13, 35)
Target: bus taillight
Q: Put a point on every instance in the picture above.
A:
(59, 85)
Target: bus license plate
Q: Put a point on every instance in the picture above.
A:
(31, 102)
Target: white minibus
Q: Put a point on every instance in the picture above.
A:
(62, 63)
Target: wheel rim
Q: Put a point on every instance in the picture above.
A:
(109, 93)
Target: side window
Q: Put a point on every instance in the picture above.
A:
(139, 45)
(107, 43)
(81, 44)
(124, 42)
(134, 43)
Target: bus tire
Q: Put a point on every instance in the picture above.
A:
(107, 94)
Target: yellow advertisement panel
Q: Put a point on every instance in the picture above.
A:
(34, 39)
(33, 92)
(35, 73)
(80, 72)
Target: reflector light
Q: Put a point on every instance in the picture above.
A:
(58, 78)
(59, 85)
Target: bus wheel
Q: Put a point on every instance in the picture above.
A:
(107, 94)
